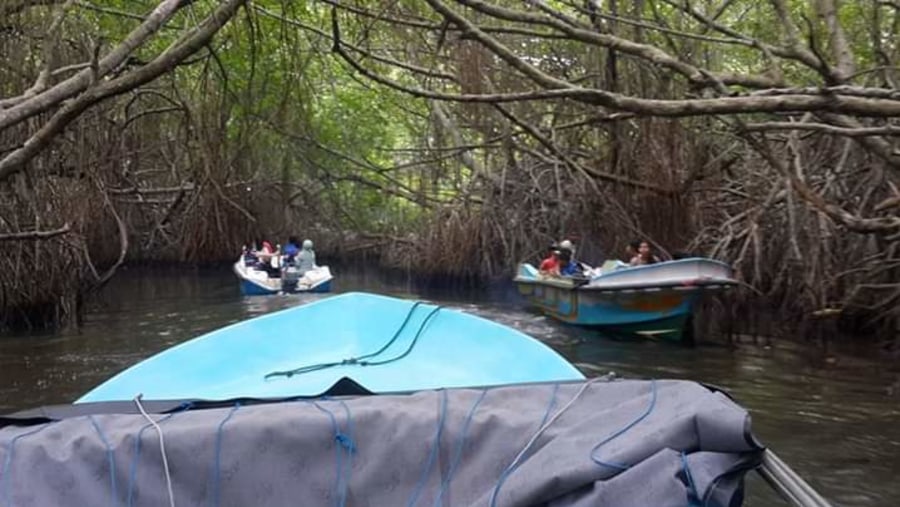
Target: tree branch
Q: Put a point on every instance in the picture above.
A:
(390, 61)
(557, 88)
(797, 52)
(51, 36)
(840, 48)
(113, 12)
(890, 130)
(185, 46)
(643, 51)
(35, 235)
(883, 226)
(588, 172)
(158, 190)
(80, 81)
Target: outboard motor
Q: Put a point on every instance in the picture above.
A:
(289, 277)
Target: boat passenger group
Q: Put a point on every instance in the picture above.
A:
(560, 259)
(262, 256)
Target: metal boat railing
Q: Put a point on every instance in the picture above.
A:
(788, 484)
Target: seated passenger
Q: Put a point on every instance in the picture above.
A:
(631, 250)
(550, 265)
(291, 250)
(306, 258)
(567, 266)
(268, 261)
(645, 255)
(248, 255)
(266, 250)
(566, 245)
(263, 253)
(572, 266)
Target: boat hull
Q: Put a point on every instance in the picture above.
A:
(320, 288)
(662, 313)
(383, 344)
(250, 288)
(257, 283)
(654, 301)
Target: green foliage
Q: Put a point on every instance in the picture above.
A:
(288, 104)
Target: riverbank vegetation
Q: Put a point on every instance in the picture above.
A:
(455, 137)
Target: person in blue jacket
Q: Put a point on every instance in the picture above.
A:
(567, 266)
(291, 249)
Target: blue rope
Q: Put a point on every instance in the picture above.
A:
(549, 406)
(343, 441)
(622, 431)
(359, 360)
(459, 449)
(214, 497)
(693, 497)
(513, 466)
(132, 474)
(110, 457)
(346, 440)
(412, 344)
(6, 478)
(432, 456)
(337, 452)
(400, 329)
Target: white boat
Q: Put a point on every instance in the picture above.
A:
(256, 281)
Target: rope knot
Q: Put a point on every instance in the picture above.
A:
(351, 360)
(346, 442)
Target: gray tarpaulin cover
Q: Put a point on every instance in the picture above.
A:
(598, 443)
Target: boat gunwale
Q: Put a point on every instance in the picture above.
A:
(652, 267)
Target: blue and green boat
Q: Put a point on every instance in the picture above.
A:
(655, 300)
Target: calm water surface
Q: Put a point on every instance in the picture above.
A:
(836, 421)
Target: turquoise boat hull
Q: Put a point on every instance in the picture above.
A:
(658, 315)
(432, 348)
(655, 301)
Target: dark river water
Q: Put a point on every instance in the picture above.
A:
(835, 421)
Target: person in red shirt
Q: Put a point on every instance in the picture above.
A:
(550, 265)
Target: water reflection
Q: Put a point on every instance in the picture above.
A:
(835, 423)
